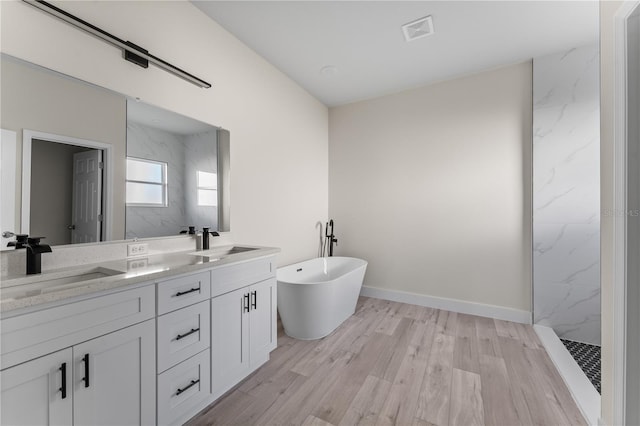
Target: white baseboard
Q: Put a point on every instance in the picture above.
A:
(461, 306)
(584, 394)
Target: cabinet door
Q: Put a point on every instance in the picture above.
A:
(229, 340)
(32, 393)
(115, 378)
(262, 321)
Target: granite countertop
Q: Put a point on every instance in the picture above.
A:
(55, 286)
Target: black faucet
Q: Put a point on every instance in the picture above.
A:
(20, 242)
(192, 231)
(331, 238)
(34, 250)
(205, 237)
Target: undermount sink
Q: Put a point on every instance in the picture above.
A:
(34, 285)
(221, 252)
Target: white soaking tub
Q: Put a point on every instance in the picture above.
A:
(317, 295)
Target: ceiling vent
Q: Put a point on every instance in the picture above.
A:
(417, 29)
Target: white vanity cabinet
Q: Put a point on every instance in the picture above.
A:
(114, 378)
(105, 376)
(263, 336)
(157, 353)
(38, 392)
(243, 322)
(184, 360)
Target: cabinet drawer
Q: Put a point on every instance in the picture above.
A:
(229, 278)
(38, 333)
(183, 291)
(183, 389)
(182, 334)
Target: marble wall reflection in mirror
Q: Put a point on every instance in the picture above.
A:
(174, 178)
(43, 109)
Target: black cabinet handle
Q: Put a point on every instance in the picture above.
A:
(188, 333)
(254, 298)
(246, 302)
(182, 293)
(85, 379)
(63, 387)
(193, 383)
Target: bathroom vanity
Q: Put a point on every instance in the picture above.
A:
(121, 332)
(154, 344)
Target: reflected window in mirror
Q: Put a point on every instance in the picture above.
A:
(147, 183)
(207, 189)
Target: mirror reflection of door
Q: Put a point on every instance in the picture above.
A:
(66, 193)
(86, 221)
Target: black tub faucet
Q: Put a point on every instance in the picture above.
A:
(34, 250)
(205, 237)
(330, 237)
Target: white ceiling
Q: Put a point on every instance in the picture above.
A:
(161, 119)
(363, 40)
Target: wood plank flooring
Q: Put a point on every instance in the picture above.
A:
(398, 364)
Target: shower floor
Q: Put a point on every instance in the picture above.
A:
(588, 358)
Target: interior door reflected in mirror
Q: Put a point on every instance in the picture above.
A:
(63, 191)
(177, 171)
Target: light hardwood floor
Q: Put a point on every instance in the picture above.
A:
(398, 364)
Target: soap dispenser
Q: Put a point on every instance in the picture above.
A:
(198, 241)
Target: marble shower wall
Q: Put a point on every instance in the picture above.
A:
(566, 194)
(201, 156)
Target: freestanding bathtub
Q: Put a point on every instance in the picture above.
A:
(317, 295)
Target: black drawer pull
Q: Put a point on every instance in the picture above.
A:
(193, 383)
(63, 387)
(182, 293)
(246, 302)
(188, 333)
(254, 297)
(85, 379)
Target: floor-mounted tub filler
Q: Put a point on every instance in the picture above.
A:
(317, 295)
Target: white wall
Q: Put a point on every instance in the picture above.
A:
(632, 296)
(566, 193)
(432, 187)
(608, 10)
(279, 134)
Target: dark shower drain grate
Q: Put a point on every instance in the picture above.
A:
(588, 358)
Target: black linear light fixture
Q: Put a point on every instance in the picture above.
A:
(132, 52)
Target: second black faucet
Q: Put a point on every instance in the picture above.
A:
(205, 237)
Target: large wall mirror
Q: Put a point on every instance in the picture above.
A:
(81, 163)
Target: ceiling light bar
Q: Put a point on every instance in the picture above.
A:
(132, 52)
